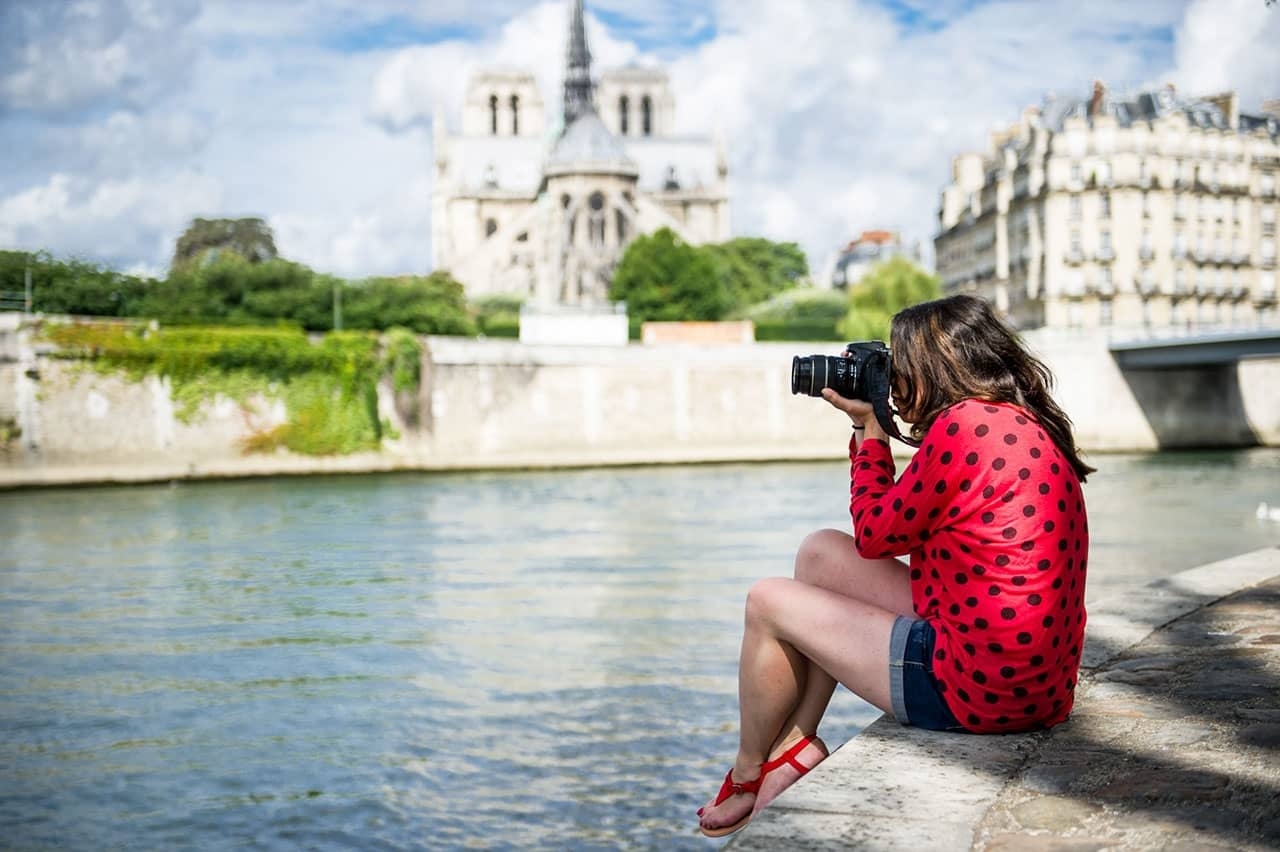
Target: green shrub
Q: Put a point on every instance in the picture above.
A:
(329, 386)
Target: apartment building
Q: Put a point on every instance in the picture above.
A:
(1152, 210)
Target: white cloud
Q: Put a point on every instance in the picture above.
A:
(1230, 44)
(82, 217)
(59, 56)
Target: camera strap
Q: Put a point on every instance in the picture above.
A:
(879, 386)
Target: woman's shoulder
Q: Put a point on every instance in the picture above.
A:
(978, 416)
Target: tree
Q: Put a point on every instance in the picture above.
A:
(209, 239)
(433, 304)
(661, 277)
(886, 289)
(755, 269)
(70, 286)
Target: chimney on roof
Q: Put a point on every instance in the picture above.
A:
(1095, 103)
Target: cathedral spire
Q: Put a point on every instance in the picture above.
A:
(579, 91)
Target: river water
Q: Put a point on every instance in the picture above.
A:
(495, 661)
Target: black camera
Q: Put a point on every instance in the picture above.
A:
(862, 373)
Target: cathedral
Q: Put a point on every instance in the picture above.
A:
(543, 210)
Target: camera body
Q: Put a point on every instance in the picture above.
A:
(862, 373)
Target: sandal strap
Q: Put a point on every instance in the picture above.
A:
(789, 756)
(736, 788)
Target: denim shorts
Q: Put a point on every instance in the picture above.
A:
(913, 688)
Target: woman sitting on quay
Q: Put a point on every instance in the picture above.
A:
(981, 632)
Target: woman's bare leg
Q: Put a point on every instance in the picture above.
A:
(835, 620)
(829, 559)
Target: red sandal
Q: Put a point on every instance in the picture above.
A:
(735, 788)
(727, 789)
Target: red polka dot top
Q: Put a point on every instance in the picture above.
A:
(992, 515)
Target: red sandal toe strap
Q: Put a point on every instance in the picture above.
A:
(736, 788)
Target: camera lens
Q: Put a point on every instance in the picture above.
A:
(809, 374)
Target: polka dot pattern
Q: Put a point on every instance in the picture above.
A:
(993, 518)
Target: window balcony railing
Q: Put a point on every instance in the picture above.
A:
(1104, 255)
(1146, 253)
(1074, 256)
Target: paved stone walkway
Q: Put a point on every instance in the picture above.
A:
(1174, 745)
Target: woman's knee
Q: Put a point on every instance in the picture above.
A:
(764, 599)
(820, 551)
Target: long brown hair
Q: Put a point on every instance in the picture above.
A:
(957, 348)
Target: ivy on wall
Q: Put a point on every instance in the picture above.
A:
(328, 385)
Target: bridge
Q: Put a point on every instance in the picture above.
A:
(1195, 348)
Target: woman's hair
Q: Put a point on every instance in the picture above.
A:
(957, 348)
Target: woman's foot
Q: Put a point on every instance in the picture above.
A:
(731, 808)
(787, 765)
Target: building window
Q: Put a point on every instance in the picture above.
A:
(624, 115)
(1104, 244)
(1104, 205)
(1104, 312)
(596, 223)
(515, 115)
(646, 116)
(493, 115)
(1103, 174)
(1076, 208)
(490, 227)
(622, 226)
(1146, 205)
(1077, 174)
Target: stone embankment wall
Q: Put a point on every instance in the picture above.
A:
(500, 404)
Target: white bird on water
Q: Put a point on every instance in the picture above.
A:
(1268, 513)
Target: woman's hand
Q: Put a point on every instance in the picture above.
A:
(859, 411)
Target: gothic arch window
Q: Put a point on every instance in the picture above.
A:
(515, 115)
(622, 226)
(646, 115)
(596, 220)
(490, 227)
(624, 114)
(493, 115)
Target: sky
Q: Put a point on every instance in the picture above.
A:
(122, 120)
